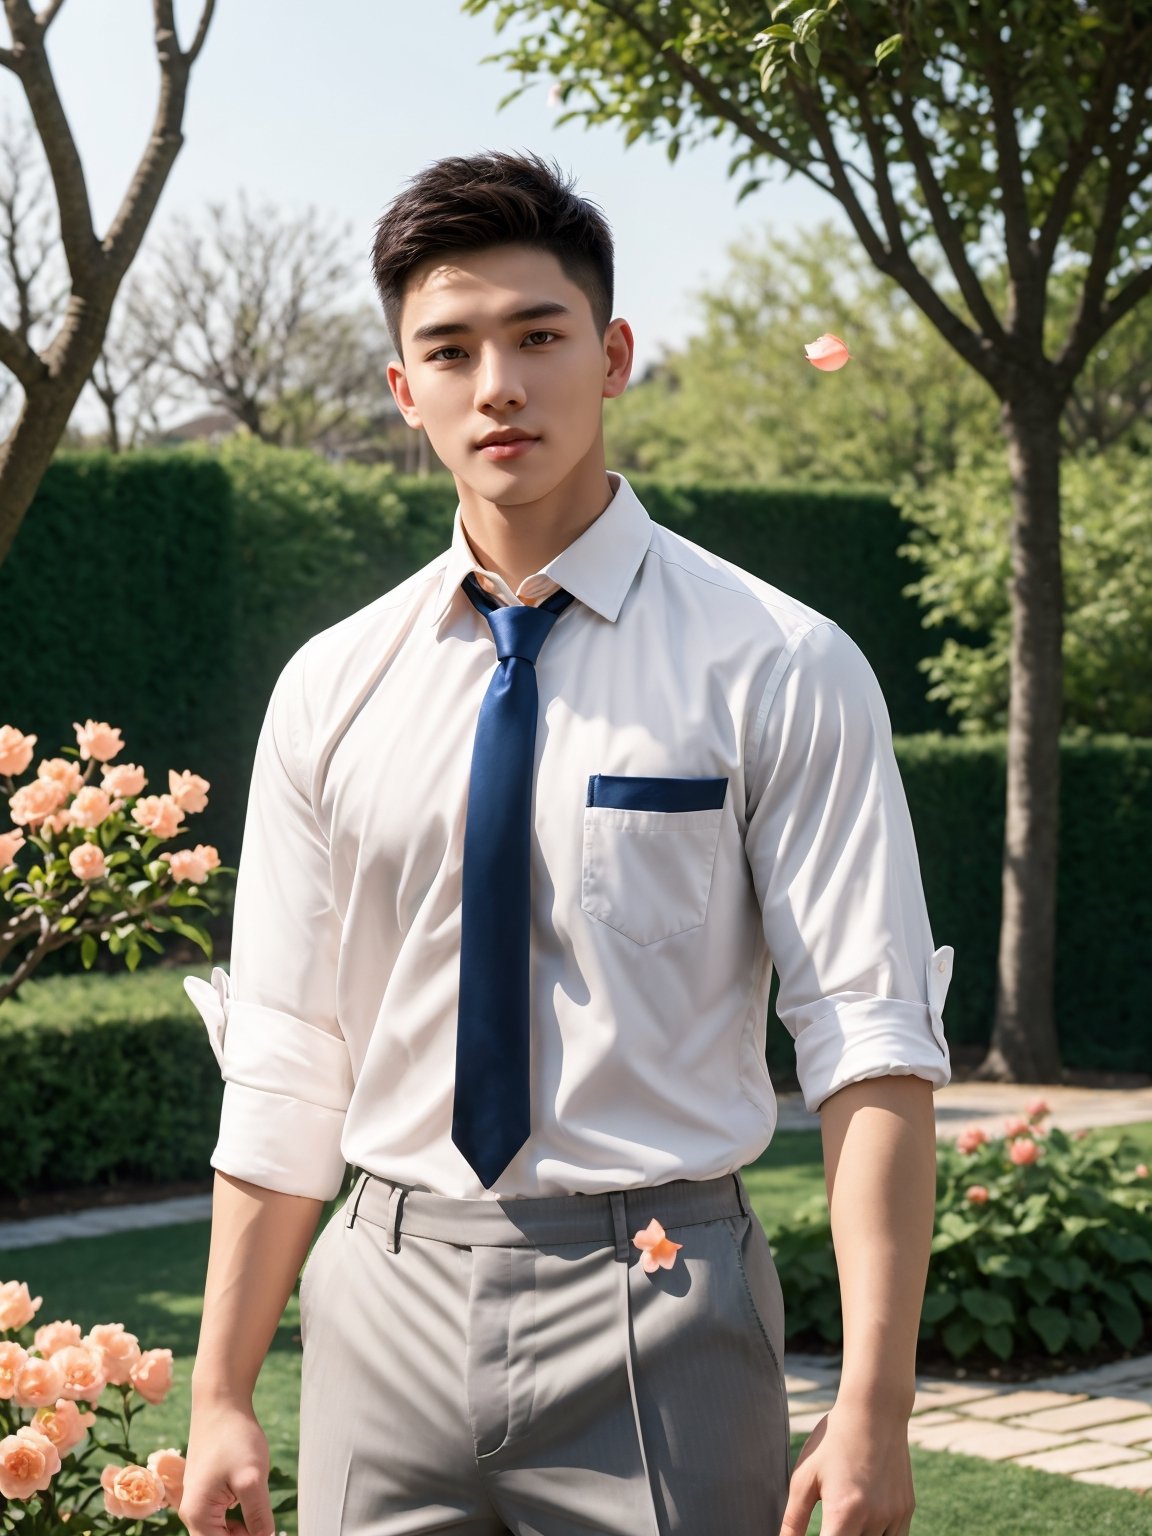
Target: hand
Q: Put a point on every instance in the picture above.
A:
(227, 1463)
(856, 1464)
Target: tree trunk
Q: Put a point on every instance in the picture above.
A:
(1024, 1045)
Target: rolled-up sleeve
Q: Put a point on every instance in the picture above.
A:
(273, 1020)
(833, 857)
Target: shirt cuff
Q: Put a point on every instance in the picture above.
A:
(287, 1088)
(280, 1143)
(877, 1037)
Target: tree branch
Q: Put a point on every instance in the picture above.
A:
(897, 262)
(708, 93)
(21, 359)
(1094, 318)
(48, 15)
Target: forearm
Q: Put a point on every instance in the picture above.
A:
(879, 1143)
(259, 1240)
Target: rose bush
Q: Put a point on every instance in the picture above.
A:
(1042, 1244)
(98, 878)
(54, 1381)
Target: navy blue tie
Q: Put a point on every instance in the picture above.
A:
(491, 1112)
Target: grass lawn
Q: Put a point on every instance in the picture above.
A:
(152, 1282)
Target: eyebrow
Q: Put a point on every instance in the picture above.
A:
(460, 328)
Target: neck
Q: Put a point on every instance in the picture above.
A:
(514, 539)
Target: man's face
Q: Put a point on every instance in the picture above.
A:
(475, 369)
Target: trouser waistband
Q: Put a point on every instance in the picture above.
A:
(611, 1216)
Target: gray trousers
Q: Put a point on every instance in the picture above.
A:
(492, 1366)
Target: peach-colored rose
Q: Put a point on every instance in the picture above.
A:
(971, 1138)
(193, 864)
(32, 802)
(827, 353)
(657, 1250)
(152, 1374)
(1141, 1170)
(188, 789)
(17, 1307)
(15, 750)
(64, 771)
(168, 1466)
(12, 1358)
(83, 1372)
(158, 814)
(1037, 1109)
(1017, 1126)
(63, 1424)
(90, 807)
(1023, 1150)
(98, 739)
(121, 1350)
(123, 779)
(38, 1382)
(1079, 1135)
(50, 1337)
(87, 861)
(59, 821)
(977, 1194)
(132, 1491)
(28, 1463)
(10, 845)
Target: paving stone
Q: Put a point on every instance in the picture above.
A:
(100, 1220)
(995, 1442)
(921, 1423)
(1095, 1410)
(1080, 1456)
(800, 1384)
(1019, 1402)
(1131, 1474)
(1099, 1379)
(1125, 1432)
(803, 1423)
(948, 1394)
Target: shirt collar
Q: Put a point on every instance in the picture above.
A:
(598, 567)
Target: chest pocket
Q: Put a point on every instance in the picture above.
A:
(649, 851)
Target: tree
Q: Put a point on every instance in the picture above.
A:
(1016, 127)
(731, 401)
(251, 314)
(52, 376)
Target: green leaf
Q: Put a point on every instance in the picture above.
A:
(988, 1306)
(1051, 1325)
(889, 45)
(88, 948)
(1087, 1329)
(813, 52)
(1141, 1282)
(937, 1305)
(1123, 1319)
(1127, 1247)
(66, 924)
(960, 1336)
(999, 1341)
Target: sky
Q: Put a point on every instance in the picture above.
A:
(334, 107)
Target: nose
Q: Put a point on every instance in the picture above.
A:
(498, 380)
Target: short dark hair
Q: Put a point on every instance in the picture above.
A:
(473, 202)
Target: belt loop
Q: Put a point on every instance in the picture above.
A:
(392, 1220)
(742, 1194)
(619, 1223)
(354, 1198)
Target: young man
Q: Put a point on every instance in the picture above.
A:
(525, 837)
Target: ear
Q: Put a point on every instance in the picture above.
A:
(619, 352)
(398, 384)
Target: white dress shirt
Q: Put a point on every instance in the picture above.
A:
(654, 930)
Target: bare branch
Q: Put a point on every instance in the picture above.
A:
(48, 15)
(21, 359)
(80, 245)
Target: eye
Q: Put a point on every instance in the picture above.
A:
(432, 356)
(539, 333)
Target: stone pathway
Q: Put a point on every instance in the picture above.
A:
(1094, 1426)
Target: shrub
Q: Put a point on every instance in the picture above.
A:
(1042, 1244)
